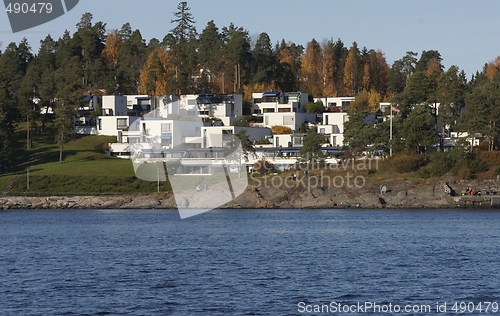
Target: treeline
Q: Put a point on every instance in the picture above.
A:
(94, 59)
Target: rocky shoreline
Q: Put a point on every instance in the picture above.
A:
(410, 194)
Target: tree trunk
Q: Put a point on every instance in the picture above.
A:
(61, 149)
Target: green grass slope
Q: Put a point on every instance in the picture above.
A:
(85, 170)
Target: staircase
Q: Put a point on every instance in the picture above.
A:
(9, 187)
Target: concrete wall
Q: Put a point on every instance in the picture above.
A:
(114, 105)
(108, 125)
(291, 120)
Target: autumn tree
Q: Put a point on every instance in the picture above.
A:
(360, 103)
(156, 72)
(288, 54)
(492, 68)
(352, 71)
(329, 68)
(311, 69)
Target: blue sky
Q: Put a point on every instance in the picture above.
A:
(464, 32)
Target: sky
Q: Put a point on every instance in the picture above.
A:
(465, 32)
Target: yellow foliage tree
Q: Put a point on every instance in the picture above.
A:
(360, 103)
(154, 74)
(280, 129)
(374, 101)
(328, 71)
(256, 87)
(111, 50)
(351, 72)
(310, 71)
(492, 68)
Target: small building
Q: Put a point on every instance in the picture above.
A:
(276, 102)
(335, 104)
(333, 127)
(291, 120)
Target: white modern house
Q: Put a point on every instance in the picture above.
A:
(333, 127)
(335, 104)
(226, 107)
(219, 136)
(276, 102)
(288, 140)
(291, 120)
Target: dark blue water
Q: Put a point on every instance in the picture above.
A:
(255, 262)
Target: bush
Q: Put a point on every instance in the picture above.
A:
(405, 164)
(263, 166)
(441, 164)
(464, 174)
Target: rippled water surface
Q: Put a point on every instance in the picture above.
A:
(245, 262)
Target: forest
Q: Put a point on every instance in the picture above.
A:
(96, 60)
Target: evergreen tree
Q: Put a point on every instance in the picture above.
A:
(209, 55)
(69, 97)
(183, 46)
(311, 150)
(264, 61)
(418, 129)
(7, 123)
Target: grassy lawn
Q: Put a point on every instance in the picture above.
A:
(85, 169)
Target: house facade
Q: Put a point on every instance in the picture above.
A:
(276, 102)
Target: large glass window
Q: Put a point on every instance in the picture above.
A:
(121, 123)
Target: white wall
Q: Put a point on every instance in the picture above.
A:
(334, 101)
(291, 120)
(108, 125)
(114, 105)
(296, 103)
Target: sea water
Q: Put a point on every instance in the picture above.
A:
(248, 262)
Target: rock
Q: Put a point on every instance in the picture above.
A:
(369, 200)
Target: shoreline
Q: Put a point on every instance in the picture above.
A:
(407, 195)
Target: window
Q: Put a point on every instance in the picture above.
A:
(166, 128)
(121, 123)
(268, 110)
(322, 130)
(284, 110)
(100, 124)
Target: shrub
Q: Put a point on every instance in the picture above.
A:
(263, 166)
(405, 164)
(280, 129)
(464, 174)
(441, 164)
